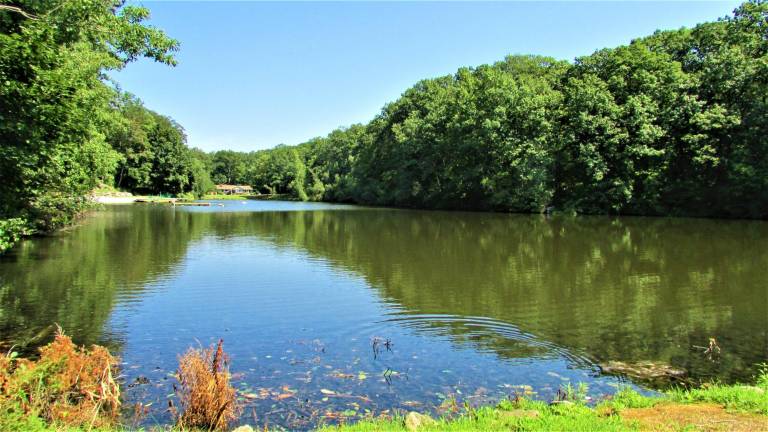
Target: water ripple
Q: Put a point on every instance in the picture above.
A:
(479, 329)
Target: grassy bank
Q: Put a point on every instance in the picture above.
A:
(276, 197)
(713, 408)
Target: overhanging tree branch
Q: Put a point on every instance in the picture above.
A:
(17, 10)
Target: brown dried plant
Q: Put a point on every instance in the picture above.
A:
(67, 385)
(206, 398)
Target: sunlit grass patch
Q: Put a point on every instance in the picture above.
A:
(626, 397)
(642, 412)
(734, 397)
(523, 415)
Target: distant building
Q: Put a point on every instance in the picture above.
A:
(226, 189)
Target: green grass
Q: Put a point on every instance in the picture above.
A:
(628, 398)
(509, 416)
(734, 398)
(276, 197)
(606, 416)
(753, 399)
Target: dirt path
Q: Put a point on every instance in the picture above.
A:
(702, 417)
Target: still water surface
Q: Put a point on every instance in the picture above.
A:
(477, 306)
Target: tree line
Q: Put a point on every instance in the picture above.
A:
(670, 124)
(675, 123)
(65, 127)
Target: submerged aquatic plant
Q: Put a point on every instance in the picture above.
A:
(68, 385)
(377, 343)
(206, 398)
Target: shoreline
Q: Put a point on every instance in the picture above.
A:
(715, 408)
(74, 388)
(109, 200)
(34, 388)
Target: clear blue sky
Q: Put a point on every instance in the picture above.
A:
(252, 75)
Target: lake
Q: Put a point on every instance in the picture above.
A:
(386, 310)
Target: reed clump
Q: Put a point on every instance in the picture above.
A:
(206, 397)
(68, 385)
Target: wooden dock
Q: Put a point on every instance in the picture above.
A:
(173, 202)
(193, 204)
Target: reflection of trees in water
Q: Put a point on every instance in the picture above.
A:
(624, 289)
(75, 278)
(628, 289)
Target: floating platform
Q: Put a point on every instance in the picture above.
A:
(173, 201)
(194, 204)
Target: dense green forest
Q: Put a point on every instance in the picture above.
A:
(672, 124)
(65, 127)
(675, 123)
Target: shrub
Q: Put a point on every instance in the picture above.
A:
(67, 385)
(207, 399)
(11, 231)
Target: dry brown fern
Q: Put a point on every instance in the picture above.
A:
(206, 398)
(67, 385)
